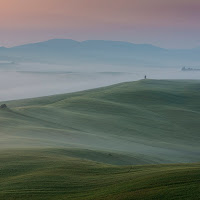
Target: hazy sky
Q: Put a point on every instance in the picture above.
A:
(165, 23)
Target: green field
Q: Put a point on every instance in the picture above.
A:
(126, 141)
(52, 174)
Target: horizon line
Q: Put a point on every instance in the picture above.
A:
(80, 41)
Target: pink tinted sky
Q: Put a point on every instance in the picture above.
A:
(165, 23)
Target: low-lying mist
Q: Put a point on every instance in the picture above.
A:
(27, 80)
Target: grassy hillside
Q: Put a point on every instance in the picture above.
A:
(148, 121)
(110, 143)
(52, 174)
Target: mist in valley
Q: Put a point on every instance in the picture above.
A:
(27, 80)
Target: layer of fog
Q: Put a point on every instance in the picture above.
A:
(28, 80)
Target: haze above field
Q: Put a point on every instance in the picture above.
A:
(25, 80)
(60, 66)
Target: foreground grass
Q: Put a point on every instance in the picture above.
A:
(53, 174)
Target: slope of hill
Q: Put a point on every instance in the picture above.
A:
(86, 145)
(148, 121)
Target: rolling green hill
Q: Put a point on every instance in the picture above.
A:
(122, 142)
(148, 121)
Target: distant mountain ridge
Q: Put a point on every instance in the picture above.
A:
(101, 51)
